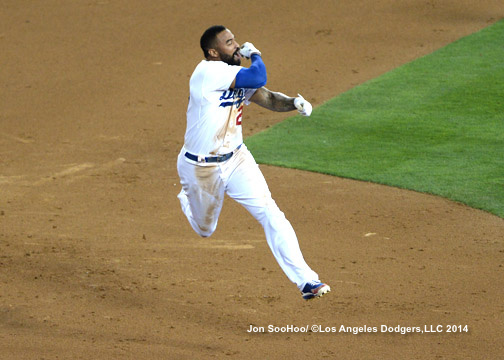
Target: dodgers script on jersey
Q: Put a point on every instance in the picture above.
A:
(214, 113)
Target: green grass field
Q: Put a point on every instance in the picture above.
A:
(435, 125)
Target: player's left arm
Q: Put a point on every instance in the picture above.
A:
(276, 101)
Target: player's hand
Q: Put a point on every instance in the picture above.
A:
(303, 106)
(248, 49)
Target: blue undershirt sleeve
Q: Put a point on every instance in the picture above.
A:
(253, 77)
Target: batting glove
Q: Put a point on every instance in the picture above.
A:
(248, 49)
(303, 106)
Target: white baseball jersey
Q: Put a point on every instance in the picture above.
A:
(214, 113)
(214, 127)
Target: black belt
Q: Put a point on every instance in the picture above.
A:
(211, 159)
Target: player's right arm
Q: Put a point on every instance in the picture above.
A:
(255, 77)
(276, 101)
(271, 100)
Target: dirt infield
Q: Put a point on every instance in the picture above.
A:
(98, 262)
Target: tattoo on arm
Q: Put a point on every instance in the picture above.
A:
(275, 101)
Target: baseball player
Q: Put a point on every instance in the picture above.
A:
(214, 161)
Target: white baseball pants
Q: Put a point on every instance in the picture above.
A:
(202, 196)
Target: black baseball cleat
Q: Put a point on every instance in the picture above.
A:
(314, 289)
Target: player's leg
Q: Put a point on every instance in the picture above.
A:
(246, 185)
(202, 195)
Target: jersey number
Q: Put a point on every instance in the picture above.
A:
(239, 115)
